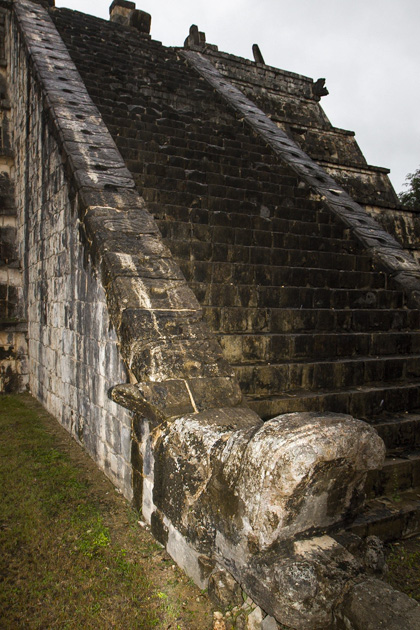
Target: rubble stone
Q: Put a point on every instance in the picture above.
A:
(269, 623)
(224, 590)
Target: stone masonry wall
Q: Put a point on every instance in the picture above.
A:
(403, 224)
(73, 355)
(13, 346)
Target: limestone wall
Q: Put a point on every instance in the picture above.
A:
(73, 354)
(13, 347)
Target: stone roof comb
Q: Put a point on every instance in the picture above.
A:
(319, 88)
(125, 13)
(258, 58)
(195, 37)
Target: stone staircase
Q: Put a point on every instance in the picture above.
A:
(303, 315)
(393, 507)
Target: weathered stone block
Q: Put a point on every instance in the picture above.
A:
(254, 619)
(269, 623)
(155, 294)
(301, 584)
(322, 457)
(131, 221)
(208, 393)
(373, 605)
(144, 245)
(146, 326)
(114, 265)
(155, 401)
(246, 487)
(183, 359)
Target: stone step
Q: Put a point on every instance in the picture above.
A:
(311, 258)
(222, 163)
(294, 320)
(252, 224)
(211, 169)
(186, 232)
(271, 347)
(194, 146)
(269, 379)
(168, 138)
(248, 218)
(265, 275)
(389, 518)
(399, 430)
(236, 201)
(218, 294)
(190, 158)
(362, 402)
(400, 472)
(147, 160)
(222, 252)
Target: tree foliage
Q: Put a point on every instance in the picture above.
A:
(411, 196)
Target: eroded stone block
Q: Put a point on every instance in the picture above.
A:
(374, 605)
(155, 401)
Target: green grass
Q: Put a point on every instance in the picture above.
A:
(66, 558)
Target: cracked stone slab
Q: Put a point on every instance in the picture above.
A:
(138, 266)
(138, 326)
(161, 400)
(180, 358)
(147, 245)
(111, 220)
(154, 294)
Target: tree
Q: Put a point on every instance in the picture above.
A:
(411, 197)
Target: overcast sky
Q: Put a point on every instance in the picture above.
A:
(368, 51)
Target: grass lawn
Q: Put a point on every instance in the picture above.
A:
(72, 553)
